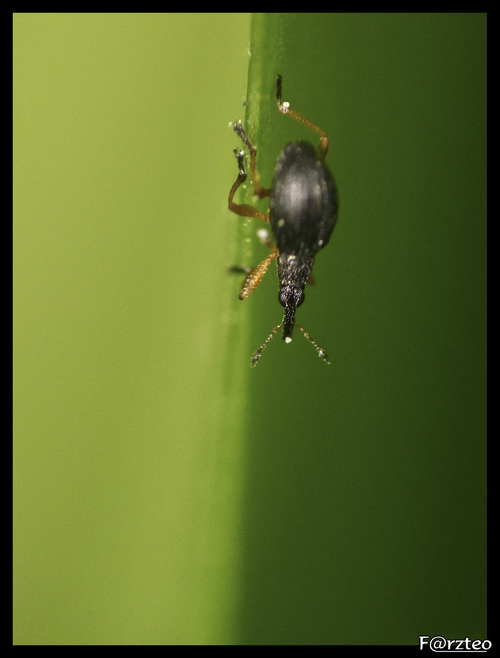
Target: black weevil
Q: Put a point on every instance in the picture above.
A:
(303, 208)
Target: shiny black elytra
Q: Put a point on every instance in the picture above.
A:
(303, 209)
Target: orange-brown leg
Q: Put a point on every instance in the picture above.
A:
(258, 190)
(237, 269)
(255, 276)
(243, 209)
(324, 141)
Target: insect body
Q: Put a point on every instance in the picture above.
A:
(303, 210)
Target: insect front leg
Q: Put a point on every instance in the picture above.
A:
(255, 276)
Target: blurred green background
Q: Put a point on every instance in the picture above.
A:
(163, 491)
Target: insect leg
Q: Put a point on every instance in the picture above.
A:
(242, 208)
(255, 276)
(258, 190)
(324, 140)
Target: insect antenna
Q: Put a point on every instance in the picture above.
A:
(256, 355)
(321, 351)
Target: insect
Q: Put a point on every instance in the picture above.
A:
(303, 208)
